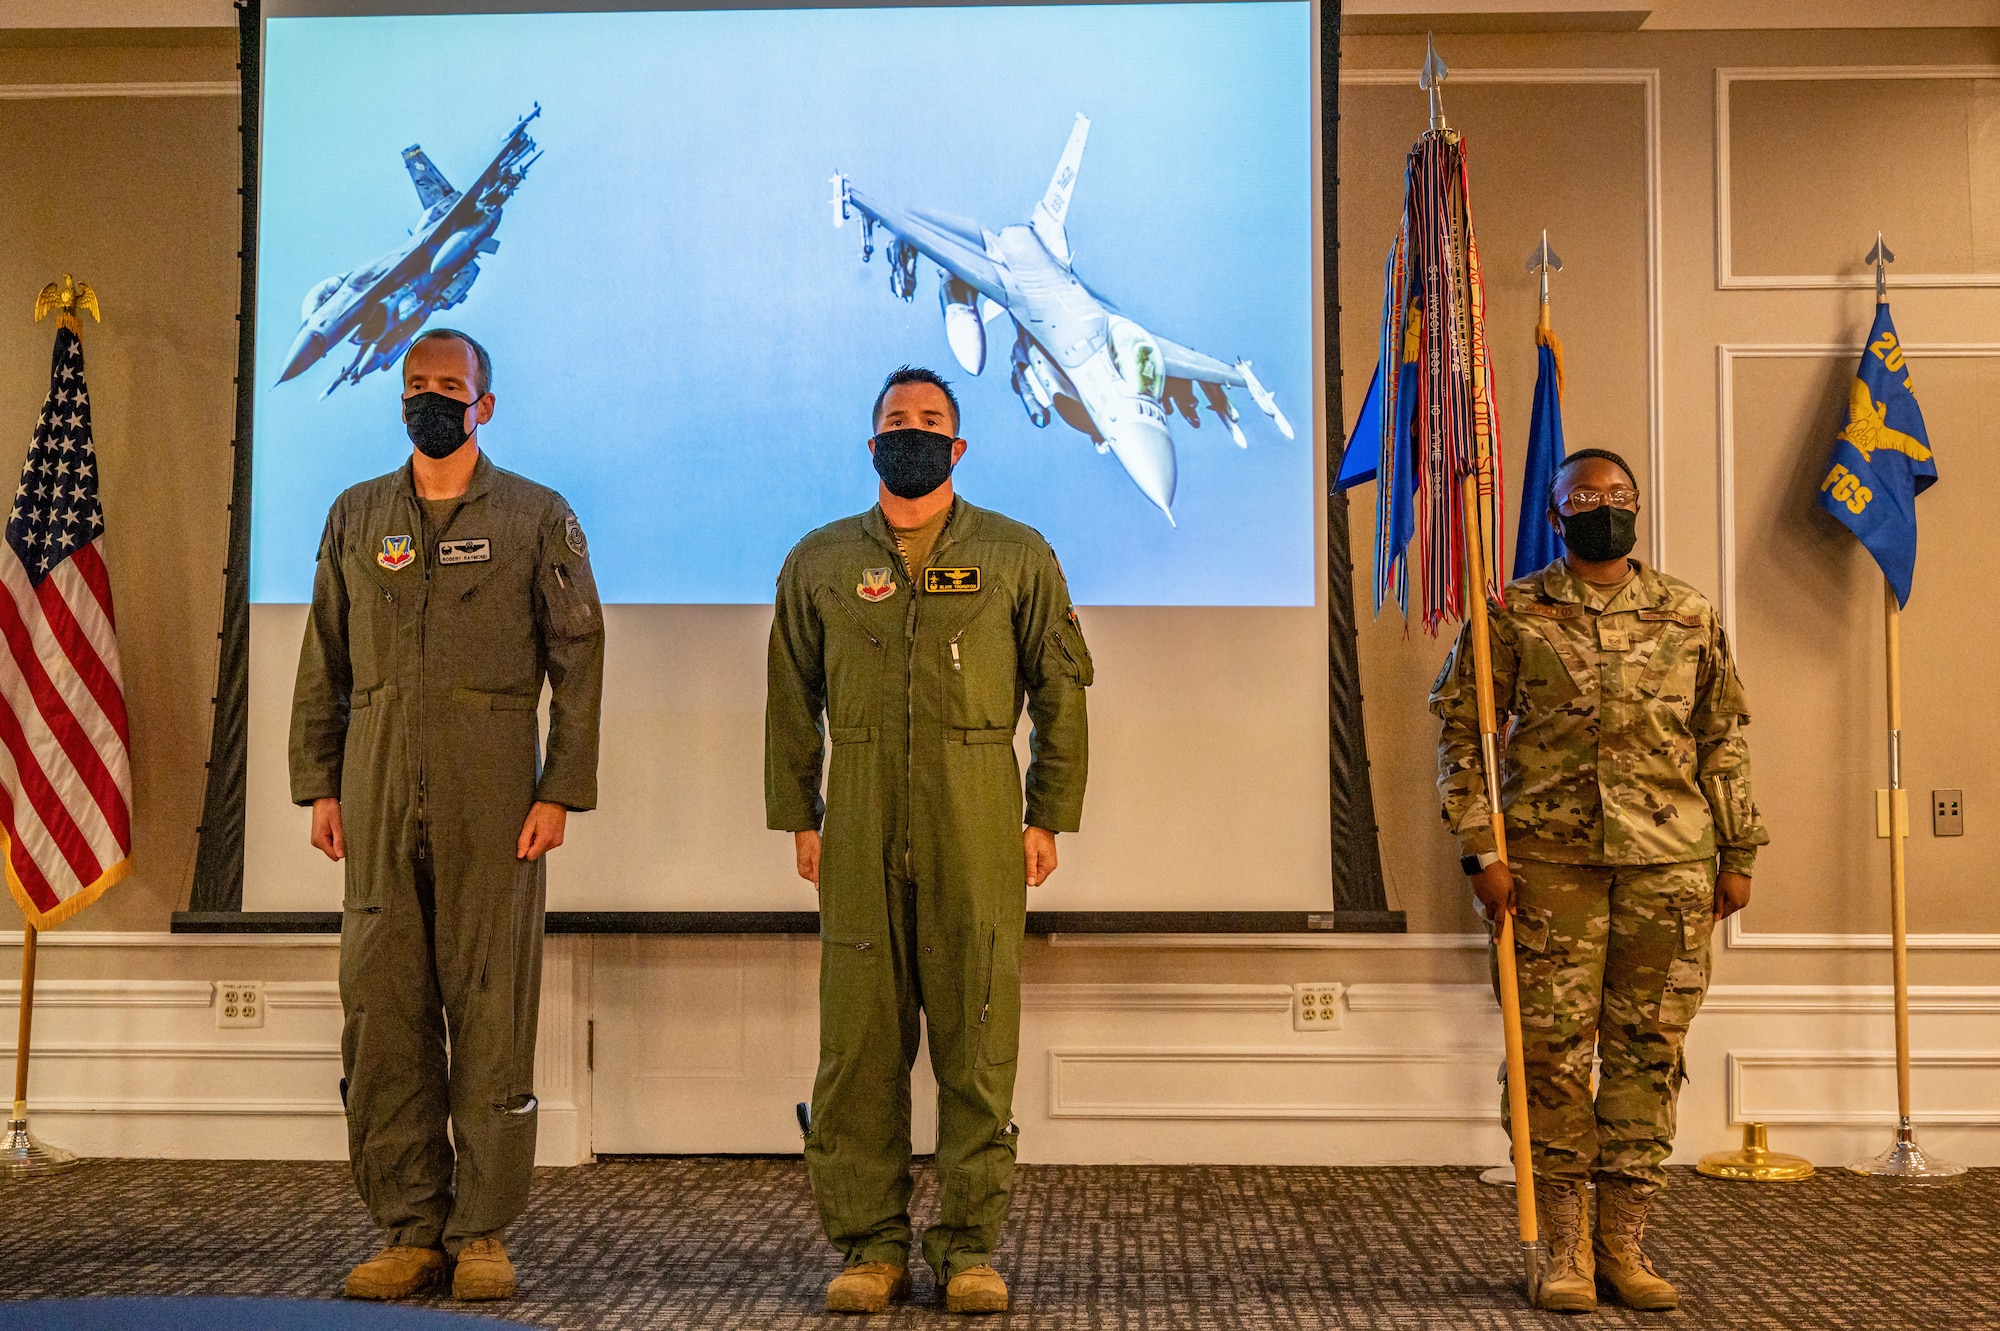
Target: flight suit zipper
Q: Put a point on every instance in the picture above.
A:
(423, 675)
(992, 955)
(849, 612)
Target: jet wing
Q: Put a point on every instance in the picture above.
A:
(951, 243)
(1184, 363)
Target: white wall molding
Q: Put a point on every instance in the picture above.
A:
(1833, 998)
(1821, 1087)
(1656, 373)
(1736, 934)
(112, 993)
(1449, 1084)
(73, 936)
(1157, 997)
(1726, 278)
(1301, 942)
(34, 92)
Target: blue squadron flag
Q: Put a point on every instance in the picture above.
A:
(1536, 544)
(1882, 458)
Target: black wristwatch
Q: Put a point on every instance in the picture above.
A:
(1472, 864)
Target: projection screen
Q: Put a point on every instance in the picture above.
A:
(694, 241)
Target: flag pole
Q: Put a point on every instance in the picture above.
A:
(22, 1154)
(1532, 1252)
(1904, 1159)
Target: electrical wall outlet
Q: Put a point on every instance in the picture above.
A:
(1947, 813)
(239, 1003)
(1317, 1007)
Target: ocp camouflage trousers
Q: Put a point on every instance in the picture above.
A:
(1613, 961)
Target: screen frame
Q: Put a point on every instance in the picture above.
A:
(1358, 894)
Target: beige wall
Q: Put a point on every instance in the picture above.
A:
(1804, 205)
(143, 204)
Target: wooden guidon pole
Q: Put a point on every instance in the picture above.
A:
(27, 1021)
(1510, 990)
(1898, 830)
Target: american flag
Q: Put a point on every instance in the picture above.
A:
(65, 744)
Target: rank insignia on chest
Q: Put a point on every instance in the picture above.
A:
(948, 580)
(876, 585)
(465, 552)
(398, 553)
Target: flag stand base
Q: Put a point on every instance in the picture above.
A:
(23, 1155)
(1756, 1162)
(1906, 1160)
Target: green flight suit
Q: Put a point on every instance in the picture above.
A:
(919, 683)
(418, 685)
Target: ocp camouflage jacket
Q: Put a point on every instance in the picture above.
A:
(1621, 729)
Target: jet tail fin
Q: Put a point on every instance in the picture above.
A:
(1051, 213)
(432, 187)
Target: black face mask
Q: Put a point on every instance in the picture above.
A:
(1603, 534)
(912, 463)
(436, 423)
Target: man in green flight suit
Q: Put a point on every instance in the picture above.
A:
(1630, 830)
(447, 592)
(909, 636)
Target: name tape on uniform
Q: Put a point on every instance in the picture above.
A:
(465, 552)
(948, 580)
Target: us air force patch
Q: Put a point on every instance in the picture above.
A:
(573, 536)
(398, 553)
(465, 552)
(876, 585)
(948, 580)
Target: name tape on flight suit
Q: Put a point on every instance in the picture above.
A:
(948, 580)
(465, 552)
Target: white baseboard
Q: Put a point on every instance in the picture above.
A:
(1112, 1073)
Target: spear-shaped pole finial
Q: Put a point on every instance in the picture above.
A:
(1431, 79)
(1544, 261)
(1881, 256)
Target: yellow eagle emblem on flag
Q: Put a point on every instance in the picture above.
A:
(1867, 429)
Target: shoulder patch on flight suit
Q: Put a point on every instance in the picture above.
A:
(477, 551)
(876, 585)
(573, 536)
(948, 580)
(397, 553)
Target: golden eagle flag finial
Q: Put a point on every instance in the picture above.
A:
(65, 300)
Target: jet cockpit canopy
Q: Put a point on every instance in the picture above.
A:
(319, 294)
(1138, 357)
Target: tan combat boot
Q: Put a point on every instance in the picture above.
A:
(1621, 1264)
(868, 1288)
(1567, 1284)
(978, 1289)
(483, 1272)
(397, 1272)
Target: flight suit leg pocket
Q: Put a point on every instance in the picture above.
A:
(998, 1016)
(853, 970)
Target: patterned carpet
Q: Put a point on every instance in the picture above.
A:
(732, 1243)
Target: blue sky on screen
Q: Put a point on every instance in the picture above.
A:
(687, 348)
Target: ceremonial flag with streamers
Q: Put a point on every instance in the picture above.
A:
(1882, 458)
(1364, 446)
(1434, 328)
(1536, 544)
(65, 745)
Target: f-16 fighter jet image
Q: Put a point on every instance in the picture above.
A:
(381, 306)
(1074, 354)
